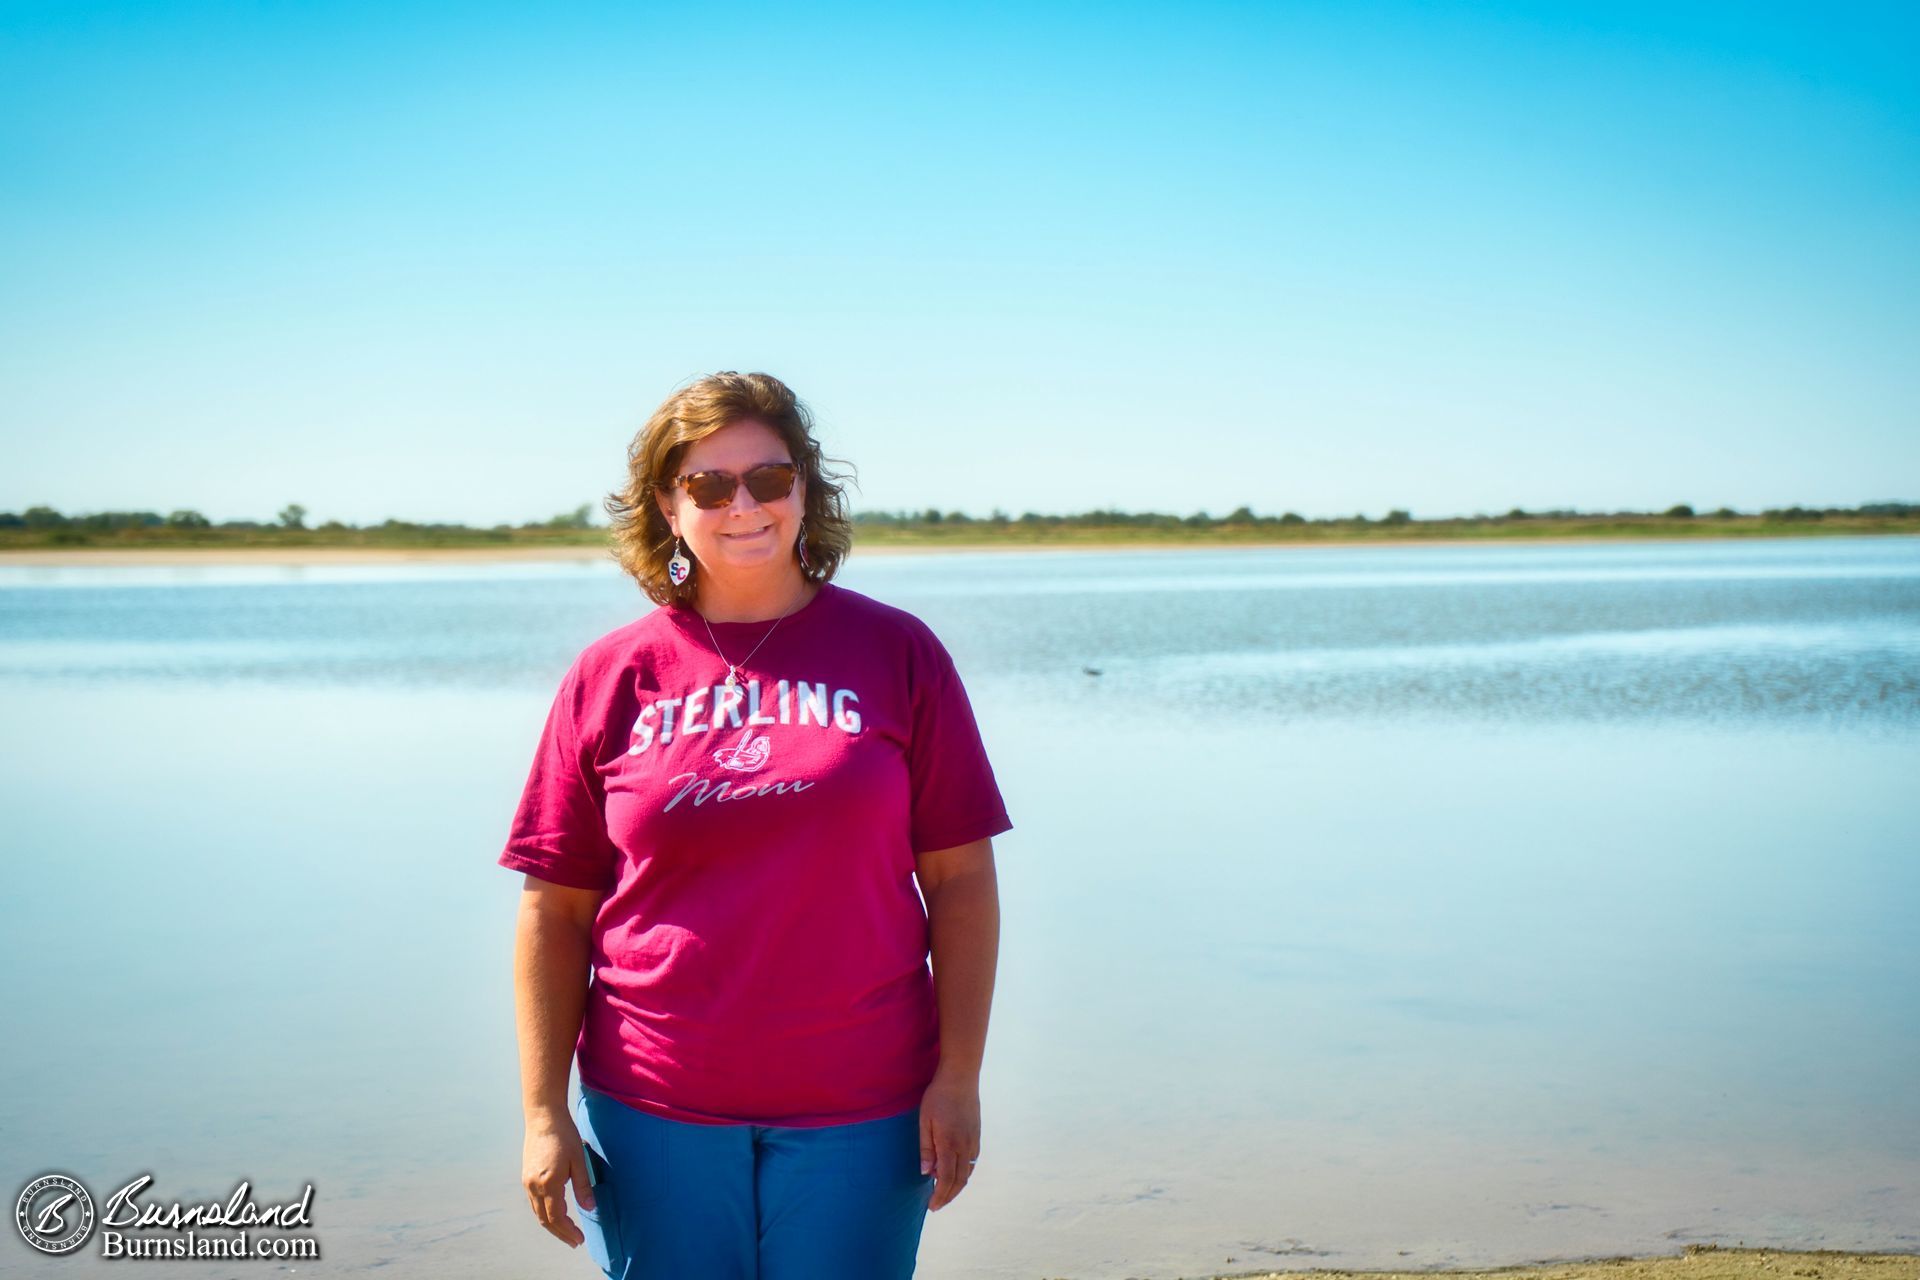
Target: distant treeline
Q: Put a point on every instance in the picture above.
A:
(1397, 516)
(44, 526)
(292, 516)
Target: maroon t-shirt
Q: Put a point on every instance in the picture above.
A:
(761, 954)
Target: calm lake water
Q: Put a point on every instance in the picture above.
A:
(1369, 907)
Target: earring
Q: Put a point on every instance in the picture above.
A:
(679, 568)
(804, 565)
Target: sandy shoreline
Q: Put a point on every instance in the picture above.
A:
(163, 556)
(1699, 1262)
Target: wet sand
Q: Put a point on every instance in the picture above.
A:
(1699, 1262)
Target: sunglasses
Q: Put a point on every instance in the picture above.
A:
(710, 489)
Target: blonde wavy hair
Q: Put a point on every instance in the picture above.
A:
(642, 540)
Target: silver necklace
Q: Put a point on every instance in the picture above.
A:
(733, 668)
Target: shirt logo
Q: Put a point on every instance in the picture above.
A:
(746, 755)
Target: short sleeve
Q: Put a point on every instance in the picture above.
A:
(955, 799)
(559, 830)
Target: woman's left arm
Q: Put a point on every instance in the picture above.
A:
(963, 919)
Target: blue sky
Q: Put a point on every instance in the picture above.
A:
(440, 262)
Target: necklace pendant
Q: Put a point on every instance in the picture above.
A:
(733, 680)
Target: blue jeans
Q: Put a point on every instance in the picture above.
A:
(678, 1201)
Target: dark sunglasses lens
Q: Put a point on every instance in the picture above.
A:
(709, 489)
(769, 484)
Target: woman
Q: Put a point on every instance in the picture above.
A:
(731, 802)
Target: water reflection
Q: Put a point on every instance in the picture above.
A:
(1557, 902)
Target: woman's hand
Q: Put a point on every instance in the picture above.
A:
(554, 1157)
(949, 1132)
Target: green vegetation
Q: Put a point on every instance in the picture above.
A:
(44, 527)
(956, 528)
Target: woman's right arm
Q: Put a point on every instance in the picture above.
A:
(552, 952)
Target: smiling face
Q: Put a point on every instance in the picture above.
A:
(745, 539)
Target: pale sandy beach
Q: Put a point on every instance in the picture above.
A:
(1699, 1262)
